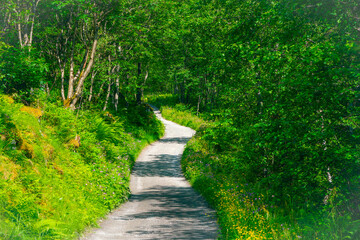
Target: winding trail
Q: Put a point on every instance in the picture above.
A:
(162, 204)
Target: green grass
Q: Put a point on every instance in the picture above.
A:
(185, 118)
(176, 112)
(63, 171)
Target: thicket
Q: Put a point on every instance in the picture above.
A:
(60, 171)
(279, 80)
(245, 209)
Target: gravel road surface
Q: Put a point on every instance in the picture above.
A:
(162, 204)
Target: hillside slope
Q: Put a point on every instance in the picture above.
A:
(61, 170)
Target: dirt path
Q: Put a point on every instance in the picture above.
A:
(162, 204)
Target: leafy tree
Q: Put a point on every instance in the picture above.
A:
(20, 72)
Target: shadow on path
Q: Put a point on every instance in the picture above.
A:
(180, 140)
(160, 166)
(162, 205)
(187, 216)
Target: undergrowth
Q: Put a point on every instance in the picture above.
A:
(244, 209)
(176, 112)
(60, 171)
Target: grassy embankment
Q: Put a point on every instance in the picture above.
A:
(244, 210)
(178, 113)
(60, 171)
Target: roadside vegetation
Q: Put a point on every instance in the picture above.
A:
(176, 112)
(245, 209)
(60, 171)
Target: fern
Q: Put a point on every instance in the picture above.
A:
(49, 190)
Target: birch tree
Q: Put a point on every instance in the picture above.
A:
(80, 26)
(21, 16)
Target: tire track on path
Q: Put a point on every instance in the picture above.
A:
(162, 204)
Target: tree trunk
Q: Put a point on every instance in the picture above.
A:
(117, 91)
(100, 89)
(84, 73)
(71, 76)
(20, 34)
(62, 75)
(31, 32)
(25, 32)
(93, 74)
(107, 95)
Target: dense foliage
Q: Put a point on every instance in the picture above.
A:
(277, 80)
(61, 171)
(248, 210)
(280, 80)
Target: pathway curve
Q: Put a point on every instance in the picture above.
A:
(162, 204)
